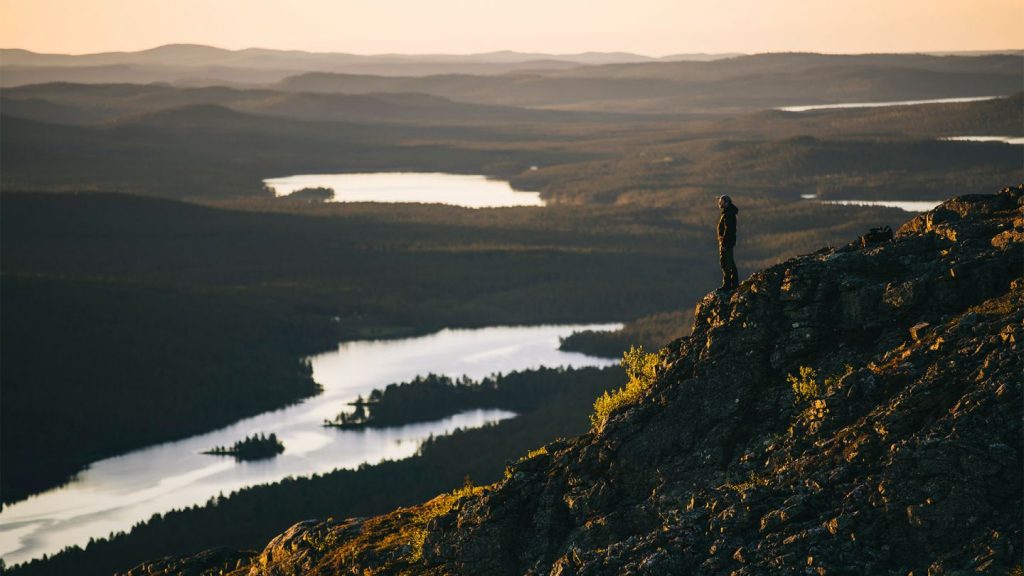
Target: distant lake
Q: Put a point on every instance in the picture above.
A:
(113, 494)
(1006, 139)
(809, 107)
(908, 205)
(426, 187)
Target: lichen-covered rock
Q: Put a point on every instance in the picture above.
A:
(906, 458)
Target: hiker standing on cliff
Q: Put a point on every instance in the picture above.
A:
(726, 243)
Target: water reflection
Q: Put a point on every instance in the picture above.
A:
(907, 205)
(1006, 139)
(432, 188)
(810, 107)
(113, 494)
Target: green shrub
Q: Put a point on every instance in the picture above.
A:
(805, 386)
(642, 370)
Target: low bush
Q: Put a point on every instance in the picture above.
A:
(805, 386)
(642, 370)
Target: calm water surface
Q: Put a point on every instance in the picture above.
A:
(431, 188)
(809, 107)
(113, 494)
(907, 205)
(1019, 140)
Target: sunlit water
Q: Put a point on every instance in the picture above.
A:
(432, 188)
(1019, 140)
(809, 107)
(907, 205)
(113, 494)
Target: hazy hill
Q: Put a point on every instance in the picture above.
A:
(76, 103)
(199, 55)
(183, 151)
(851, 411)
(1003, 116)
(90, 103)
(219, 75)
(594, 81)
(760, 81)
(195, 64)
(795, 62)
(176, 142)
(115, 73)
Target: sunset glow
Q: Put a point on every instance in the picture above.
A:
(653, 27)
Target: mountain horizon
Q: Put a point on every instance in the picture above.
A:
(186, 48)
(489, 55)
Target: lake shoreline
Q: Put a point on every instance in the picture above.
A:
(912, 206)
(884, 104)
(303, 442)
(465, 190)
(443, 462)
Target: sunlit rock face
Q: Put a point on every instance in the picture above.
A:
(902, 454)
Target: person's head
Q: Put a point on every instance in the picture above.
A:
(724, 201)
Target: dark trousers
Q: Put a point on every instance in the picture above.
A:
(730, 276)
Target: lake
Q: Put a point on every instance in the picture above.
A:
(113, 494)
(1019, 140)
(810, 107)
(470, 191)
(907, 205)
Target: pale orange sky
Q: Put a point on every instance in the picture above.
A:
(655, 27)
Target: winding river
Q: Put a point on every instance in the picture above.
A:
(113, 494)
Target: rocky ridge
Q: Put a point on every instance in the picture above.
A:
(904, 454)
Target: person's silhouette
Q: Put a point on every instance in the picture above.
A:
(726, 243)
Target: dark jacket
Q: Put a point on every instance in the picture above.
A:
(727, 226)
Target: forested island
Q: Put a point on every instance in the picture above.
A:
(316, 194)
(434, 396)
(255, 447)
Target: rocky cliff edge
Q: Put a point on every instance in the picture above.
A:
(853, 411)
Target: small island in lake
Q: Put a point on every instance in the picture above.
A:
(251, 448)
(423, 399)
(358, 418)
(317, 194)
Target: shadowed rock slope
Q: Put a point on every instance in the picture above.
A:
(903, 454)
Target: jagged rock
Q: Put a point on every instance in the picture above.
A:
(917, 330)
(208, 563)
(908, 460)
